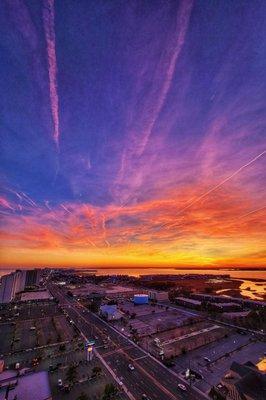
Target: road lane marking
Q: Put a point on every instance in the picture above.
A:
(139, 358)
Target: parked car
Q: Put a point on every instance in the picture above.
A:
(131, 367)
(145, 397)
(182, 387)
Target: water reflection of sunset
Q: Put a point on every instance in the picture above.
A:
(121, 150)
(253, 290)
(262, 365)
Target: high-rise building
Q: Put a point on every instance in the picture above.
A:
(16, 282)
(6, 288)
(20, 280)
(32, 277)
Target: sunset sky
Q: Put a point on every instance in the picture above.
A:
(133, 133)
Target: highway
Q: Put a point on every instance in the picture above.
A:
(149, 377)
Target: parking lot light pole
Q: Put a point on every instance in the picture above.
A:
(89, 350)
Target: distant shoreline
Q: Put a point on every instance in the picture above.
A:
(162, 268)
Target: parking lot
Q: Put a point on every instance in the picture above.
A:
(43, 338)
(45, 356)
(222, 353)
(29, 327)
(28, 310)
(6, 332)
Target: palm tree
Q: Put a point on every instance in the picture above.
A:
(96, 371)
(71, 374)
(109, 391)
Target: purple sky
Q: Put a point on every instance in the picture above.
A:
(133, 131)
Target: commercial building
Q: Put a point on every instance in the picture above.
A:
(226, 299)
(25, 387)
(110, 312)
(210, 298)
(241, 382)
(158, 296)
(141, 299)
(224, 307)
(242, 318)
(190, 303)
(36, 295)
(118, 291)
(162, 347)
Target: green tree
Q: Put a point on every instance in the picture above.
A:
(62, 347)
(96, 371)
(109, 391)
(83, 396)
(71, 374)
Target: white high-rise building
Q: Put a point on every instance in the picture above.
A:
(6, 288)
(11, 284)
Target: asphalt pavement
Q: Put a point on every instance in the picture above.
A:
(149, 377)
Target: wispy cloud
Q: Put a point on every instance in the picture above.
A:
(141, 125)
(49, 28)
(216, 187)
(85, 229)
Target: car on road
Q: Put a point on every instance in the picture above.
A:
(53, 368)
(182, 387)
(131, 367)
(145, 397)
(60, 383)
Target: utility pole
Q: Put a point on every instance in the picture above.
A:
(190, 377)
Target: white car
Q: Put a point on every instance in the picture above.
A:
(207, 359)
(182, 387)
(60, 383)
(131, 367)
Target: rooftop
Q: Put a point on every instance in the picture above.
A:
(229, 304)
(36, 295)
(28, 387)
(248, 380)
(191, 301)
(237, 314)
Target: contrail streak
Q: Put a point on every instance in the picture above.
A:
(182, 26)
(219, 185)
(4, 203)
(48, 21)
(29, 200)
(252, 212)
(64, 208)
(157, 96)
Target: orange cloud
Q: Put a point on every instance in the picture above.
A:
(221, 228)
